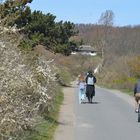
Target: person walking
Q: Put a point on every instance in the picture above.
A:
(81, 83)
(90, 86)
(137, 94)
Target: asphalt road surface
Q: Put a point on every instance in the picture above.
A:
(110, 117)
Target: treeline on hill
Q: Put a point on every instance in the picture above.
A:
(120, 51)
(37, 28)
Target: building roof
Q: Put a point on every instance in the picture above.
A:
(86, 48)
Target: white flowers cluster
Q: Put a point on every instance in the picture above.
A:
(25, 89)
(45, 69)
(12, 29)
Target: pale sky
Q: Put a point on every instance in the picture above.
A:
(127, 12)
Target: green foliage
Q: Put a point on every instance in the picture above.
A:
(67, 32)
(55, 36)
(36, 39)
(29, 42)
(81, 42)
(25, 44)
(15, 12)
(38, 28)
(73, 45)
(41, 23)
(64, 77)
(24, 18)
(64, 49)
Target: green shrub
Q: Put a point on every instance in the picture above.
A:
(64, 77)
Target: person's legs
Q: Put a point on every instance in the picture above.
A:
(88, 98)
(137, 98)
(88, 92)
(91, 98)
(92, 94)
(80, 96)
(136, 105)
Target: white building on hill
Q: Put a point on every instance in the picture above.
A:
(87, 50)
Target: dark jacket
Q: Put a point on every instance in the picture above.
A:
(137, 87)
(91, 75)
(90, 88)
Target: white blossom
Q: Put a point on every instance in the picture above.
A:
(21, 92)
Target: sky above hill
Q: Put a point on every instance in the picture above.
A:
(127, 12)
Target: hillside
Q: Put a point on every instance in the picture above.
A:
(119, 47)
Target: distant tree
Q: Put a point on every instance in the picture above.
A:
(106, 21)
(107, 18)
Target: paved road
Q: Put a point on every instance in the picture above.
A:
(110, 117)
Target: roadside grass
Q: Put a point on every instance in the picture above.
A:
(46, 128)
(123, 90)
(122, 83)
(127, 91)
